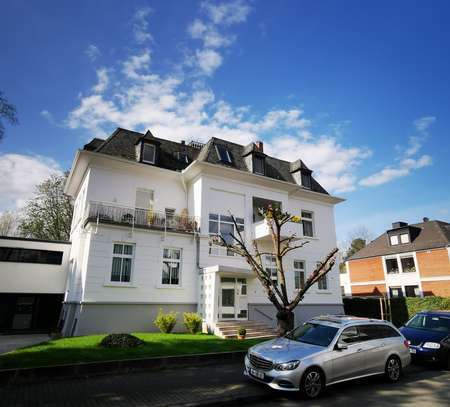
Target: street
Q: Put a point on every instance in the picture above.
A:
(221, 385)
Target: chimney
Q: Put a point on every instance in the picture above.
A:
(183, 142)
(397, 225)
(259, 146)
(425, 219)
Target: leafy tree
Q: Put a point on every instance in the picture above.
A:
(355, 246)
(7, 112)
(276, 291)
(49, 214)
(8, 223)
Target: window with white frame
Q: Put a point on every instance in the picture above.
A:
(171, 267)
(270, 265)
(223, 154)
(322, 284)
(394, 240)
(408, 264)
(404, 238)
(308, 225)
(122, 262)
(223, 225)
(392, 265)
(148, 153)
(258, 165)
(299, 274)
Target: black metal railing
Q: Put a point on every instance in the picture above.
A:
(141, 218)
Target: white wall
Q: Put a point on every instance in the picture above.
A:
(30, 277)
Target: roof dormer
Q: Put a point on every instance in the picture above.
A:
(255, 158)
(147, 149)
(301, 174)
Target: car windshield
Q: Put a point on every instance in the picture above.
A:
(314, 334)
(430, 322)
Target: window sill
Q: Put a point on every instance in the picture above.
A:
(324, 292)
(169, 286)
(120, 285)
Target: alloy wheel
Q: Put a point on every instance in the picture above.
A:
(393, 369)
(313, 384)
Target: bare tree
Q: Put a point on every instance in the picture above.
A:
(8, 223)
(276, 292)
(7, 111)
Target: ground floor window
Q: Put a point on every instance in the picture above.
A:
(299, 274)
(271, 267)
(122, 262)
(171, 268)
(396, 292)
(408, 265)
(412, 291)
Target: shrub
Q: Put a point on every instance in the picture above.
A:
(166, 322)
(122, 341)
(242, 331)
(192, 322)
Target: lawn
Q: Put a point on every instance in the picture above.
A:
(87, 349)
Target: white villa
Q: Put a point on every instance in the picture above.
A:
(144, 211)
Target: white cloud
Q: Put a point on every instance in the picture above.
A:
(103, 81)
(227, 13)
(92, 52)
(136, 63)
(208, 60)
(141, 25)
(423, 123)
(389, 173)
(19, 174)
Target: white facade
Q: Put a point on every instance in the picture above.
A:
(199, 278)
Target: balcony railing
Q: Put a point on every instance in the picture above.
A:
(141, 218)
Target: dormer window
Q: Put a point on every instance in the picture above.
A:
(404, 238)
(223, 154)
(258, 165)
(306, 179)
(148, 153)
(394, 240)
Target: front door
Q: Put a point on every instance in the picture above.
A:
(233, 302)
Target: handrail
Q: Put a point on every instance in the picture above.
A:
(264, 314)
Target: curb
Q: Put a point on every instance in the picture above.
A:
(84, 370)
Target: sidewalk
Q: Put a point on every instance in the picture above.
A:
(183, 387)
(11, 342)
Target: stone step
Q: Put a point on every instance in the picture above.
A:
(223, 325)
(248, 329)
(253, 336)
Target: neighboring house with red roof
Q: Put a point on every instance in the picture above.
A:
(407, 260)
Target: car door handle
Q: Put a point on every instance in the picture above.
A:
(360, 350)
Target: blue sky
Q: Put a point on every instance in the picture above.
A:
(359, 90)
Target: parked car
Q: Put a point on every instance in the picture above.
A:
(427, 333)
(328, 350)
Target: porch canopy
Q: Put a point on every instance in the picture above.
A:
(230, 271)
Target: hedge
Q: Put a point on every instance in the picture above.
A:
(401, 308)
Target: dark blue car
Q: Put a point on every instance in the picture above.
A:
(426, 332)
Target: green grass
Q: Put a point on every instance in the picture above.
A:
(87, 349)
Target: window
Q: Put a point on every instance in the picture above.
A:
(19, 255)
(350, 335)
(223, 225)
(313, 334)
(270, 264)
(223, 154)
(243, 284)
(170, 215)
(408, 265)
(171, 266)
(306, 179)
(322, 284)
(392, 265)
(342, 290)
(404, 238)
(258, 165)
(122, 262)
(430, 322)
(299, 274)
(412, 291)
(144, 198)
(148, 153)
(307, 221)
(396, 292)
(369, 332)
(394, 240)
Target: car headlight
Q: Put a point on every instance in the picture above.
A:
(293, 364)
(431, 345)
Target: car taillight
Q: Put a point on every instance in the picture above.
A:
(406, 343)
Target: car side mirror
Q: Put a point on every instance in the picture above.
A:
(341, 346)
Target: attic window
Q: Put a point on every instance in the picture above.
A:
(306, 179)
(258, 165)
(223, 154)
(394, 240)
(182, 156)
(148, 153)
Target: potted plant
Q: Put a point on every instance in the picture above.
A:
(241, 333)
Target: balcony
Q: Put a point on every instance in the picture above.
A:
(99, 212)
(261, 230)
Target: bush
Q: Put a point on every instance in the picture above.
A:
(122, 341)
(192, 322)
(242, 331)
(166, 322)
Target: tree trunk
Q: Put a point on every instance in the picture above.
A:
(285, 322)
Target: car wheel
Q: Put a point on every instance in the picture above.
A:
(393, 369)
(312, 383)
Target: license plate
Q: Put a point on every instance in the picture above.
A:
(257, 374)
(412, 350)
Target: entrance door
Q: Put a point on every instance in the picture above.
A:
(233, 298)
(23, 314)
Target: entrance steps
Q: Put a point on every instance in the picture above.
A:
(229, 329)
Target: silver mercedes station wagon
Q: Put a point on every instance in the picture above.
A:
(328, 350)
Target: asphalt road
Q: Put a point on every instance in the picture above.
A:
(221, 385)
